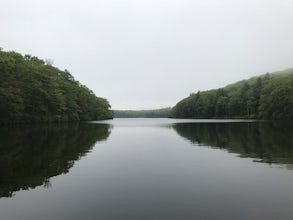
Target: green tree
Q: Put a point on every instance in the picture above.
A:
(268, 96)
(32, 91)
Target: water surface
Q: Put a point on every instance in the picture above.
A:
(147, 169)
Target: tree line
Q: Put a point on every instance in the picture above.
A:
(33, 91)
(154, 113)
(269, 96)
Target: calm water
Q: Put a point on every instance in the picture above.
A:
(147, 169)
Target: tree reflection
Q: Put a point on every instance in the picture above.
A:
(30, 156)
(269, 142)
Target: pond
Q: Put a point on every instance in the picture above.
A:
(147, 169)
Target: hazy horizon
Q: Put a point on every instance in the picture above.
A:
(143, 54)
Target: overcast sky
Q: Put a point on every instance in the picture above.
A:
(144, 54)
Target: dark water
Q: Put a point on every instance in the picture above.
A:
(147, 169)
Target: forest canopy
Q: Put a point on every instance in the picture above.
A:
(269, 96)
(33, 91)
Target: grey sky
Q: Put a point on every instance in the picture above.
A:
(143, 54)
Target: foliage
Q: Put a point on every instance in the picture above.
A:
(155, 113)
(32, 91)
(269, 96)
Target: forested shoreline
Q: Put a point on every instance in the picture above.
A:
(33, 91)
(269, 96)
(153, 113)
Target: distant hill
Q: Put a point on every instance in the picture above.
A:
(32, 91)
(155, 113)
(268, 96)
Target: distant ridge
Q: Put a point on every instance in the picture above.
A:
(154, 113)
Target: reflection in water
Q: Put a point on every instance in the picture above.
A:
(265, 141)
(30, 156)
(146, 171)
